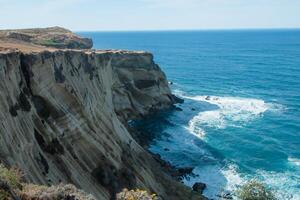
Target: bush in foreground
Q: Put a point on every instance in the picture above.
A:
(254, 190)
(10, 181)
(12, 188)
(58, 192)
(136, 195)
(12, 177)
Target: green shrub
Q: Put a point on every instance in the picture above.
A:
(4, 195)
(254, 190)
(48, 42)
(12, 177)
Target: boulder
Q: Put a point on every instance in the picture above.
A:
(199, 187)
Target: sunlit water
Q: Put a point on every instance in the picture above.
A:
(241, 116)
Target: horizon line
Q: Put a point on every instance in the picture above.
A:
(179, 30)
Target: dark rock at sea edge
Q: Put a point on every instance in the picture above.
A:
(185, 170)
(178, 109)
(177, 99)
(199, 187)
(177, 173)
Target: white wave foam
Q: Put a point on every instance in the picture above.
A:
(285, 185)
(294, 161)
(178, 92)
(222, 180)
(232, 111)
(233, 178)
(218, 180)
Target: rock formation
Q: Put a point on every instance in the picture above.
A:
(51, 37)
(63, 112)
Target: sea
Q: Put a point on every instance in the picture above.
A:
(241, 116)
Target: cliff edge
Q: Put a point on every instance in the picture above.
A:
(62, 117)
(55, 37)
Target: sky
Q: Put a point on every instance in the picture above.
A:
(105, 15)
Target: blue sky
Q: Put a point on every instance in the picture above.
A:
(150, 14)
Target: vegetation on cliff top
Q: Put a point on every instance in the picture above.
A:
(56, 37)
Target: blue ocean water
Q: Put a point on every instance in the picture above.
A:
(241, 116)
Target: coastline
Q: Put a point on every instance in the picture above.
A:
(66, 108)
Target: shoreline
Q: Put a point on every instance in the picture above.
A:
(146, 138)
(65, 110)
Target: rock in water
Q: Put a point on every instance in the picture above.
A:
(178, 109)
(199, 187)
(177, 99)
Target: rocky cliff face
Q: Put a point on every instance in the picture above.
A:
(61, 113)
(139, 86)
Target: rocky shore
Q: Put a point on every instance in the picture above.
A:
(64, 109)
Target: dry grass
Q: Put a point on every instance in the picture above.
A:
(59, 192)
(136, 195)
(12, 187)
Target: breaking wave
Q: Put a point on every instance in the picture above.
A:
(232, 111)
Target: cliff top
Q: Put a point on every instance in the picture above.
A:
(38, 40)
(42, 39)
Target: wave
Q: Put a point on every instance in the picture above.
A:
(237, 112)
(285, 185)
(219, 180)
(228, 180)
(294, 161)
(232, 111)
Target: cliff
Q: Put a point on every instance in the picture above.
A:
(56, 37)
(63, 115)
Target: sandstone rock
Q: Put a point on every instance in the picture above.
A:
(63, 115)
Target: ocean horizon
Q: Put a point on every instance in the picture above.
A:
(189, 30)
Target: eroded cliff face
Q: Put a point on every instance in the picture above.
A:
(139, 86)
(61, 113)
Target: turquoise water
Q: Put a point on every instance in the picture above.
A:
(241, 116)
